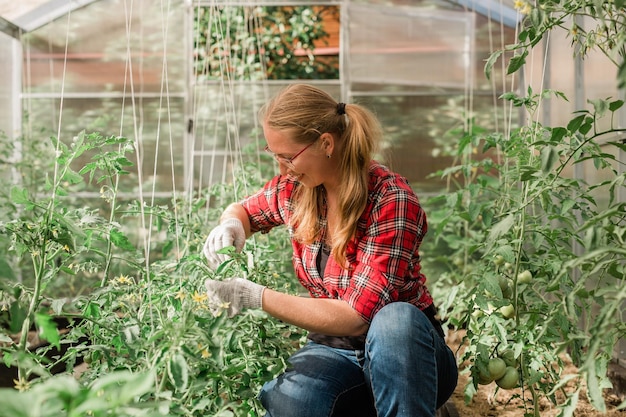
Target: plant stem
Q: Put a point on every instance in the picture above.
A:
(34, 303)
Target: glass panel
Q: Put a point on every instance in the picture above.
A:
(7, 89)
(403, 46)
(415, 132)
(147, 123)
(97, 58)
(266, 42)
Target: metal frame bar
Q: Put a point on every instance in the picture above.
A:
(48, 12)
(10, 28)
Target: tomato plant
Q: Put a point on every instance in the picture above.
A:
(143, 325)
(542, 274)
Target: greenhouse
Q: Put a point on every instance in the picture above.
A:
(145, 143)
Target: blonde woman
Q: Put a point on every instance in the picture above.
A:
(375, 347)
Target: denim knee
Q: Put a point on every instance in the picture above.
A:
(399, 319)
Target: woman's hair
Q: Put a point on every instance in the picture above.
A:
(305, 112)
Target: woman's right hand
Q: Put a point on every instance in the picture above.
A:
(229, 233)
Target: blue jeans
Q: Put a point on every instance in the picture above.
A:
(406, 370)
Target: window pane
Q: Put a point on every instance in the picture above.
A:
(155, 128)
(111, 52)
(404, 45)
(417, 133)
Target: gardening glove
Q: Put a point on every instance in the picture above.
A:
(229, 233)
(233, 295)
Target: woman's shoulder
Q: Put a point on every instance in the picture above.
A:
(381, 177)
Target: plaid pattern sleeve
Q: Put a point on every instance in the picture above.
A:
(270, 206)
(384, 257)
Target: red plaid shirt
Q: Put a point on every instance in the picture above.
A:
(383, 257)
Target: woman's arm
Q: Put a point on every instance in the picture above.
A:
(322, 315)
(236, 210)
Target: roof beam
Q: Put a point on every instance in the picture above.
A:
(493, 9)
(9, 28)
(48, 12)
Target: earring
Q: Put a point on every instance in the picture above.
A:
(328, 156)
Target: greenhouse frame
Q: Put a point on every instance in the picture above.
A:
(183, 80)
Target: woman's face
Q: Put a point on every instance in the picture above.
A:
(305, 162)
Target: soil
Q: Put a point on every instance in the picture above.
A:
(507, 403)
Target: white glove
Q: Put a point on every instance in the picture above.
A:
(233, 295)
(229, 233)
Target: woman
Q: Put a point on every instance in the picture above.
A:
(355, 227)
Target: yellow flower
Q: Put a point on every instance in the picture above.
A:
(21, 385)
(205, 354)
(522, 6)
(199, 298)
(180, 295)
(123, 280)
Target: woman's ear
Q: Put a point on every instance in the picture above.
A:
(328, 143)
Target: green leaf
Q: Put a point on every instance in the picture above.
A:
(491, 62)
(15, 403)
(178, 371)
(18, 315)
(92, 310)
(57, 305)
(72, 177)
(557, 135)
(506, 251)
(112, 390)
(600, 106)
(502, 227)
(575, 123)
(6, 271)
(516, 63)
(527, 172)
(48, 329)
(549, 157)
(120, 240)
(567, 205)
(616, 105)
(20, 196)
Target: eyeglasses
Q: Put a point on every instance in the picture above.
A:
(288, 161)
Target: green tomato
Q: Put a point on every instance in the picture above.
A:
(484, 380)
(510, 379)
(507, 293)
(498, 260)
(508, 311)
(508, 356)
(484, 377)
(525, 277)
(497, 368)
(503, 282)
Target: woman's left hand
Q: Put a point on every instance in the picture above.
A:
(234, 294)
